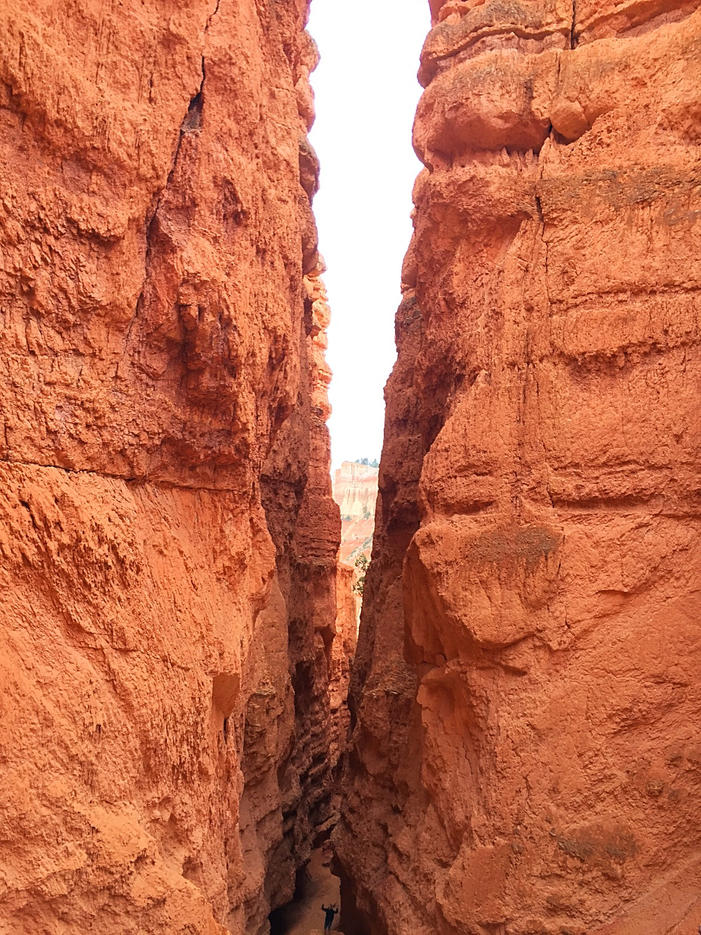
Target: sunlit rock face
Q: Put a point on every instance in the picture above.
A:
(167, 535)
(355, 492)
(526, 698)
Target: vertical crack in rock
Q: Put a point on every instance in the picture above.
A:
(212, 15)
(190, 123)
(573, 28)
(541, 219)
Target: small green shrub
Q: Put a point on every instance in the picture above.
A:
(361, 564)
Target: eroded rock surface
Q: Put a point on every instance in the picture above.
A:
(167, 534)
(526, 755)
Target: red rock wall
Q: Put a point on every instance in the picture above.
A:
(167, 535)
(526, 698)
(343, 652)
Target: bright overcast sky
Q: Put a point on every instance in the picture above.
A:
(366, 95)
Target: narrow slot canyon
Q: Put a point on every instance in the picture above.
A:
(245, 684)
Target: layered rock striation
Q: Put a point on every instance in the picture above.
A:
(355, 492)
(167, 535)
(525, 754)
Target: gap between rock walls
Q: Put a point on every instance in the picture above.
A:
(316, 885)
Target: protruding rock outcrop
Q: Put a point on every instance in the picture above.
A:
(167, 535)
(526, 694)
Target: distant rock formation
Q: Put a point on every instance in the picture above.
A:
(355, 492)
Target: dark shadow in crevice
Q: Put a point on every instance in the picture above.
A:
(315, 886)
(282, 919)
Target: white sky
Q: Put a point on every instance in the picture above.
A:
(366, 95)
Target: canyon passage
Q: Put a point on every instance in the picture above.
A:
(190, 741)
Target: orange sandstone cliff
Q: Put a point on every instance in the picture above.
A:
(167, 534)
(355, 492)
(526, 756)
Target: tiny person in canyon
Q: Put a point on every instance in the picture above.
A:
(330, 913)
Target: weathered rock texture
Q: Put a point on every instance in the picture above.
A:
(526, 753)
(167, 534)
(343, 651)
(355, 492)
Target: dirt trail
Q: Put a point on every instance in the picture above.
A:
(305, 917)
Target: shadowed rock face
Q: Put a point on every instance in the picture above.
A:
(526, 695)
(167, 534)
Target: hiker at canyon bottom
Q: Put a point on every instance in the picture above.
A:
(330, 913)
